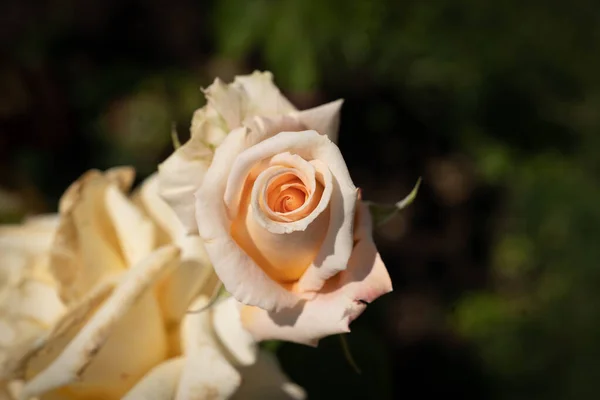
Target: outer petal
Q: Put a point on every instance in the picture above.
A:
(324, 119)
(181, 175)
(33, 236)
(228, 327)
(208, 125)
(266, 380)
(122, 177)
(158, 384)
(26, 313)
(88, 363)
(228, 101)
(43, 349)
(134, 231)
(206, 373)
(29, 302)
(263, 97)
(247, 97)
(194, 274)
(87, 247)
(337, 304)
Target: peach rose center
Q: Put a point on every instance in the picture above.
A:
(286, 194)
(280, 224)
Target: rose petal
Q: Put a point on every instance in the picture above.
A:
(228, 327)
(324, 119)
(36, 301)
(43, 350)
(338, 303)
(266, 380)
(337, 245)
(194, 274)
(208, 126)
(33, 236)
(88, 363)
(180, 177)
(158, 384)
(248, 96)
(283, 250)
(43, 221)
(264, 97)
(228, 101)
(241, 276)
(282, 163)
(134, 231)
(206, 373)
(86, 248)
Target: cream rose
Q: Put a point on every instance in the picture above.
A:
(29, 304)
(126, 274)
(279, 215)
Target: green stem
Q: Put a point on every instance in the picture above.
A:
(348, 354)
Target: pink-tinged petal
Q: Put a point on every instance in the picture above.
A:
(239, 273)
(338, 303)
(265, 380)
(324, 119)
(104, 354)
(206, 373)
(180, 177)
(158, 384)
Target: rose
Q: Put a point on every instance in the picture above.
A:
(29, 305)
(280, 217)
(227, 108)
(127, 274)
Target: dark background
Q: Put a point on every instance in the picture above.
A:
(495, 105)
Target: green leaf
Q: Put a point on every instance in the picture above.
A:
(382, 213)
(271, 345)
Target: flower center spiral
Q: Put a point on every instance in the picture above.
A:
(286, 197)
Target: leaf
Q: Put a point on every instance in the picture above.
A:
(382, 213)
(271, 345)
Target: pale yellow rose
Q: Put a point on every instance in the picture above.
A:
(127, 275)
(29, 304)
(279, 215)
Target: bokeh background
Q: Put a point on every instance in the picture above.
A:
(496, 105)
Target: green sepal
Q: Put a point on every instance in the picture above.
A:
(382, 213)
